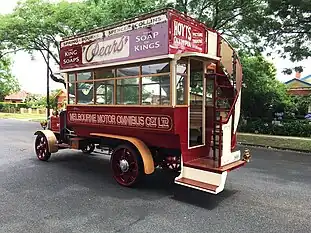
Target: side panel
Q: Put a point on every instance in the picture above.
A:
(181, 128)
(55, 123)
(153, 125)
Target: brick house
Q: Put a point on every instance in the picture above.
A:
(18, 97)
(299, 86)
(61, 97)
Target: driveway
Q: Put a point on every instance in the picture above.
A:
(76, 193)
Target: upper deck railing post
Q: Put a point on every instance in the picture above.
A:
(48, 82)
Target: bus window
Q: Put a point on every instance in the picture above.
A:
(128, 91)
(156, 68)
(156, 90)
(128, 71)
(104, 92)
(71, 89)
(85, 93)
(104, 73)
(85, 88)
(181, 83)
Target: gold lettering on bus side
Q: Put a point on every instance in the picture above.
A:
(151, 122)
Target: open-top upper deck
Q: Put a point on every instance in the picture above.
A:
(158, 35)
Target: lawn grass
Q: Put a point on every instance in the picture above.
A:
(24, 116)
(280, 142)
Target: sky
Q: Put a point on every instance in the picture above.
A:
(32, 73)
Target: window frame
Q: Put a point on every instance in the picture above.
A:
(95, 81)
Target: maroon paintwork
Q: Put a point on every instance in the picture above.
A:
(170, 33)
(173, 137)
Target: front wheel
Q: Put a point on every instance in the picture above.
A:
(126, 165)
(42, 148)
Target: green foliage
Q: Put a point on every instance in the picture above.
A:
(288, 26)
(8, 83)
(262, 93)
(11, 107)
(296, 128)
(38, 101)
(37, 25)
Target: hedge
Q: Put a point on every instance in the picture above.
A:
(11, 107)
(295, 128)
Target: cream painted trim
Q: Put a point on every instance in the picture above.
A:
(195, 54)
(212, 43)
(167, 56)
(173, 82)
(207, 177)
(237, 111)
(51, 138)
(141, 147)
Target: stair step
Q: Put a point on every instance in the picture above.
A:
(197, 184)
(208, 164)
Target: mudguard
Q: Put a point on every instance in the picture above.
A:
(141, 147)
(51, 138)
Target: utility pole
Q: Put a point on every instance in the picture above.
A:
(48, 82)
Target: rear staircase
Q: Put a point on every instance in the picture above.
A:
(208, 173)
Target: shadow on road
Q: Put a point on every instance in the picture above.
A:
(93, 171)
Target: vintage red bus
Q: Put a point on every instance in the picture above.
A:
(160, 90)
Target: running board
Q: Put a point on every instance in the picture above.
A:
(197, 185)
(207, 181)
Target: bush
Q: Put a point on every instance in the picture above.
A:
(11, 107)
(295, 128)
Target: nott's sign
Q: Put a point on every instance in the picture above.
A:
(100, 50)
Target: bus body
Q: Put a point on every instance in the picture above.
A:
(160, 90)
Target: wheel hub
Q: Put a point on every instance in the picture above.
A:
(124, 165)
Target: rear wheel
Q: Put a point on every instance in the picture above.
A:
(126, 165)
(88, 149)
(42, 148)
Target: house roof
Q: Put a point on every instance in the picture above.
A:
(306, 77)
(21, 95)
(298, 80)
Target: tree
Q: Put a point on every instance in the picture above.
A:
(262, 94)
(289, 28)
(8, 83)
(236, 20)
(38, 25)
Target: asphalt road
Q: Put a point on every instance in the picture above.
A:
(75, 193)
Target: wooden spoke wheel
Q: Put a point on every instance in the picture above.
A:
(126, 165)
(42, 148)
(88, 148)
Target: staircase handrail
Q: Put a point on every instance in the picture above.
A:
(240, 84)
